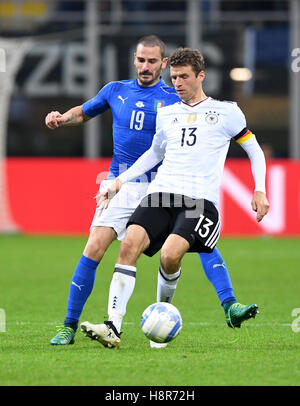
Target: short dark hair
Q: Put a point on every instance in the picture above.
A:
(153, 41)
(188, 56)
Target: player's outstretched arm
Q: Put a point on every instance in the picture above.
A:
(74, 116)
(148, 160)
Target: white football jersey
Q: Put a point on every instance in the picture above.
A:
(194, 141)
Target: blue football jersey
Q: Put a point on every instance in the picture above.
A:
(134, 110)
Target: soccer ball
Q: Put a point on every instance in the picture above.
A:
(161, 322)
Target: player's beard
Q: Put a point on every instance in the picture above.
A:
(152, 77)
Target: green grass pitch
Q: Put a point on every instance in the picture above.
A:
(34, 284)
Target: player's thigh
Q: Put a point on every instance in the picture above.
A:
(135, 242)
(155, 220)
(99, 240)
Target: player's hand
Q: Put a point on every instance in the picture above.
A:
(260, 204)
(54, 120)
(103, 198)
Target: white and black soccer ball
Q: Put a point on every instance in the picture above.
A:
(161, 322)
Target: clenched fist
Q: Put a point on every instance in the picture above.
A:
(54, 120)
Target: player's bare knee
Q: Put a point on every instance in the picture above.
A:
(97, 244)
(170, 260)
(94, 250)
(129, 252)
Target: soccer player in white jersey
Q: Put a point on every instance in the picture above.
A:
(179, 213)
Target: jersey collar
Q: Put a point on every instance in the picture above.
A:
(196, 104)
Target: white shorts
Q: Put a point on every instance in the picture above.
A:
(120, 207)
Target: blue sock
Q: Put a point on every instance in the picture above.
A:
(81, 287)
(216, 271)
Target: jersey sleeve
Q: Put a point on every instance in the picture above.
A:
(159, 142)
(258, 162)
(238, 131)
(237, 126)
(98, 104)
(149, 159)
(236, 121)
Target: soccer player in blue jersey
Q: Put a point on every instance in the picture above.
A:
(134, 104)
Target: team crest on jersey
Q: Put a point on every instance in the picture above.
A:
(158, 104)
(139, 104)
(211, 117)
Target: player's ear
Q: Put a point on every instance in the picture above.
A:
(201, 74)
(134, 59)
(164, 63)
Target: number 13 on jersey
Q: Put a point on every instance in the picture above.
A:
(188, 136)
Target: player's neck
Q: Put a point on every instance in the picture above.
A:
(197, 98)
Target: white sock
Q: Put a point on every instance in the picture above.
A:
(120, 291)
(166, 285)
